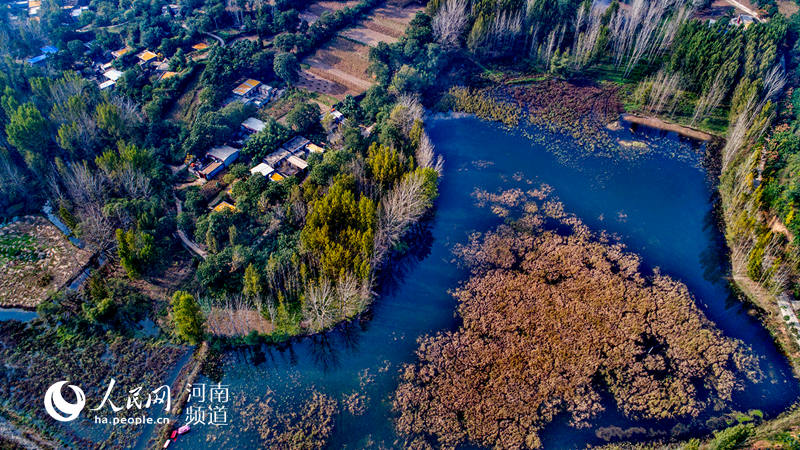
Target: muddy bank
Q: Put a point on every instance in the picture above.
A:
(659, 124)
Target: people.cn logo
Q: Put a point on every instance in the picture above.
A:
(60, 409)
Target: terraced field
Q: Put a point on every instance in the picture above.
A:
(340, 67)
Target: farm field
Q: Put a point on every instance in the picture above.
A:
(340, 67)
(337, 69)
(36, 260)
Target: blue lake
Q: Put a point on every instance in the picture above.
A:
(659, 204)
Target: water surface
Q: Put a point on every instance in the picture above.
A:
(660, 205)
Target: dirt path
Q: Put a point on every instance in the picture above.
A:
(188, 243)
(744, 8)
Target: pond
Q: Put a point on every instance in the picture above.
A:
(659, 204)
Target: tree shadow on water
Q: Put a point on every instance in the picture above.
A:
(414, 247)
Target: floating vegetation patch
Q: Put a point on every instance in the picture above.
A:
(302, 423)
(484, 106)
(557, 318)
(558, 115)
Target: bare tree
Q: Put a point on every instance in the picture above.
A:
(406, 112)
(644, 28)
(84, 186)
(711, 98)
(401, 206)
(135, 183)
(353, 295)
(96, 228)
(319, 305)
(450, 21)
(504, 30)
(12, 180)
(659, 93)
(774, 82)
(744, 121)
(425, 151)
(129, 111)
(553, 43)
(587, 31)
(66, 87)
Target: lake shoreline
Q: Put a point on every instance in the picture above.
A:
(659, 124)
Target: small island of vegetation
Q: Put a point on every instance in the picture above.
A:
(554, 318)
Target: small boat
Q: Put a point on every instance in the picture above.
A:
(166, 444)
(174, 433)
(184, 429)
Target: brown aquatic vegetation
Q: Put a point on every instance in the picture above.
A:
(578, 112)
(551, 320)
(304, 426)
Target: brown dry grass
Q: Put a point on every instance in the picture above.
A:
(788, 7)
(347, 56)
(162, 285)
(237, 322)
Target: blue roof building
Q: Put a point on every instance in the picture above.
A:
(37, 59)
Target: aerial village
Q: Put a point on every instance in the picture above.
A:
(182, 180)
(333, 70)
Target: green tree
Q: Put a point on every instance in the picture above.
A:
(384, 165)
(136, 249)
(267, 140)
(339, 230)
(187, 317)
(252, 282)
(286, 67)
(27, 131)
(109, 119)
(303, 117)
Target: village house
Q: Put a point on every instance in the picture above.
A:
(37, 59)
(262, 169)
(289, 160)
(46, 51)
(253, 91)
(333, 115)
(113, 74)
(148, 59)
(252, 125)
(224, 206)
(743, 20)
(215, 161)
(33, 7)
(121, 52)
(76, 12)
(167, 75)
(314, 148)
